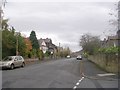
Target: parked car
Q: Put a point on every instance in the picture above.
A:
(12, 62)
(79, 57)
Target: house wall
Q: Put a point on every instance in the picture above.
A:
(47, 45)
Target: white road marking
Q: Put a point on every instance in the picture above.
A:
(81, 79)
(78, 83)
(74, 87)
(106, 74)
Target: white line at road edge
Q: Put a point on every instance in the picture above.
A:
(78, 83)
(106, 74)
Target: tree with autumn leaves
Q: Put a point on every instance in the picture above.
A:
(27, 47)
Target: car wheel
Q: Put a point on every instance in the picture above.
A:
(23, 64)
(12, 66)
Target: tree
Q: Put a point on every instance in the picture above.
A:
(34, 40)
(34, 53)
(35, 45)
(89, 43)
(48, 53)
(28, 50)
(9, 38)
(9, 41)
(114, 21)
(21, 45)
(64, 52)
(40, 54)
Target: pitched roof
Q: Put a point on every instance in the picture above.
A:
(48, 42)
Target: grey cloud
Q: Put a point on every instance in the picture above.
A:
(66, 21)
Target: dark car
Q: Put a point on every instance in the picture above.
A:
(79, 57)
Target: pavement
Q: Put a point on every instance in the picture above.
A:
(62, 73)
(97, 77)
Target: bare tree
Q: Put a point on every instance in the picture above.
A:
(115, 17)
(89, 43)
(2, 4)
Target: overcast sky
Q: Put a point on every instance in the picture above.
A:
(62, 21)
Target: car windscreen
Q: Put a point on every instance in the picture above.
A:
(79, 56)
(9, 58)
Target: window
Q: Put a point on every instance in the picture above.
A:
(20, 58)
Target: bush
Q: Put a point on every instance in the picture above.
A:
(48, 53)
(29, 55)
(109, 50)
(40, 54)
(85, 55)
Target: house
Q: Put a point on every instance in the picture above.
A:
(103, 43)
(110, 41)
(118, 33)
(47, 45)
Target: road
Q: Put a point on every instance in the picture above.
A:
(63, 73)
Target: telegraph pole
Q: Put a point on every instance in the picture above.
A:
(17, 34)
(16, 45)
(1, 15)
(2, 4)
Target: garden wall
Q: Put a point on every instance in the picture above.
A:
(108, 62)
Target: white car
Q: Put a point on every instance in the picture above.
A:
(12, 62)
(68, 56)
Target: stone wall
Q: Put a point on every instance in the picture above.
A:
(108, 62)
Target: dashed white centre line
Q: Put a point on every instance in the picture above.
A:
(81, 79)
(74, 87)
(78, 83)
